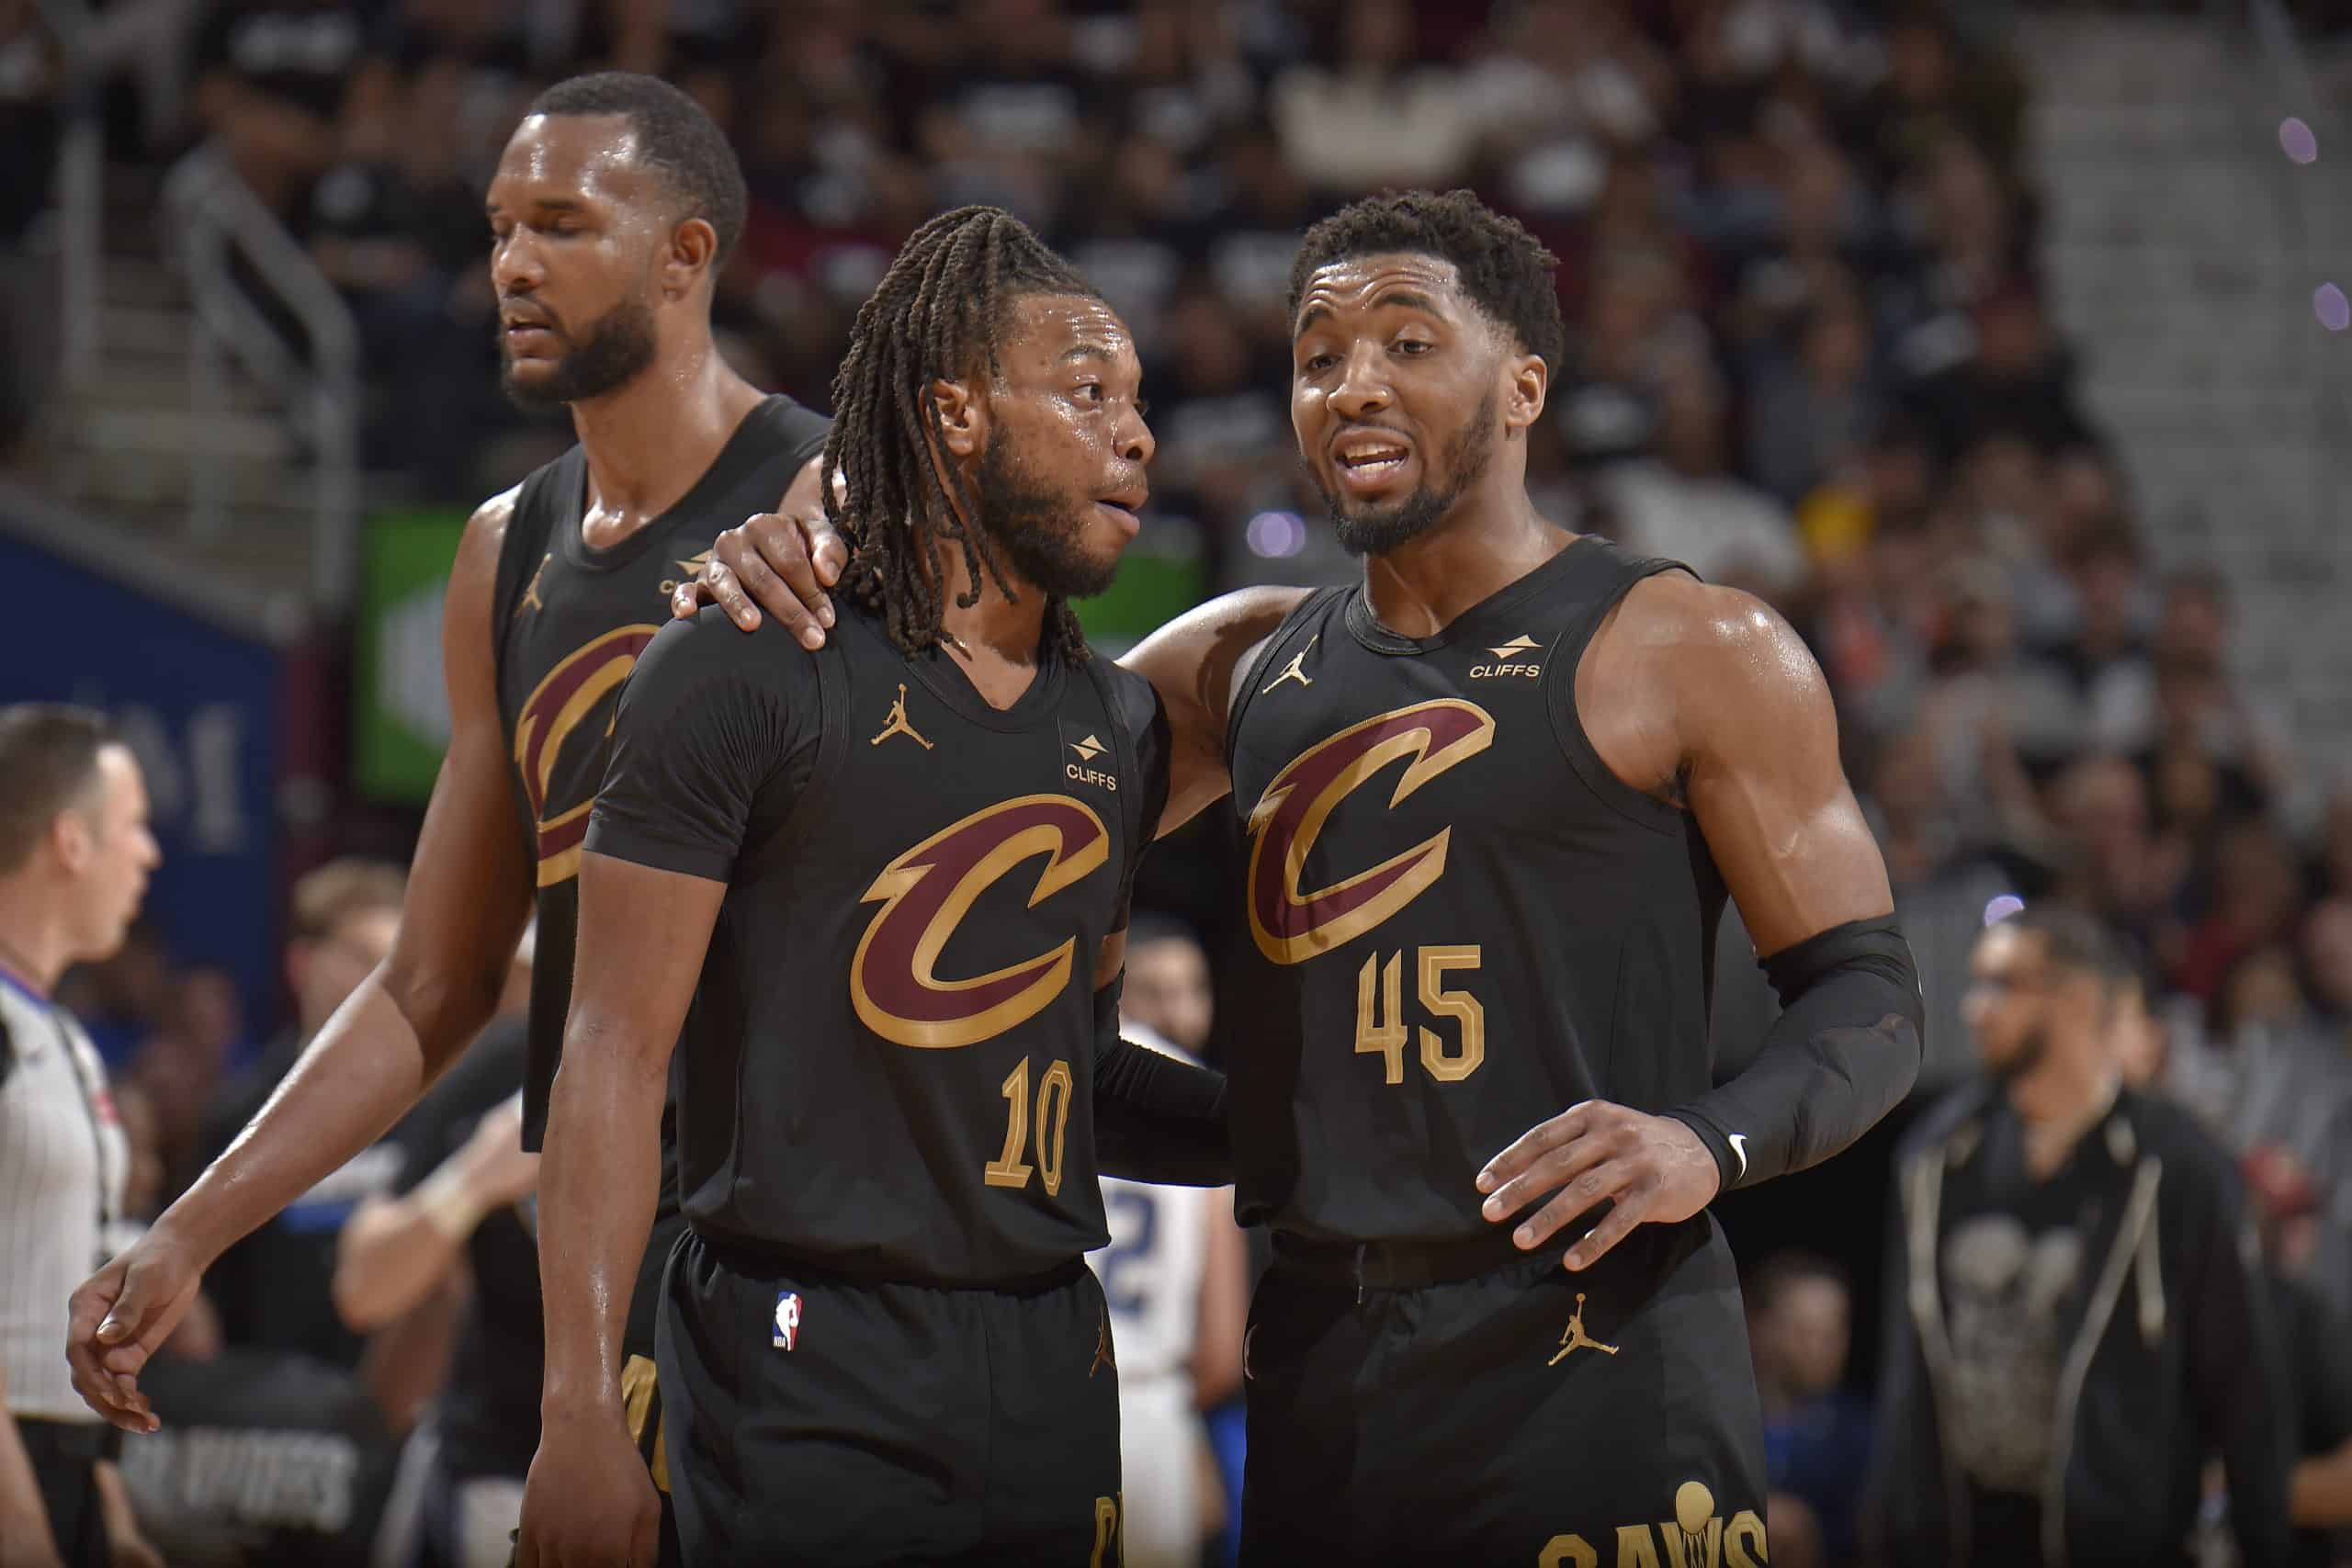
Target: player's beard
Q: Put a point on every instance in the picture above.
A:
(2028, 1054)
(1376, 530)
(1039, 531)
(619, 345)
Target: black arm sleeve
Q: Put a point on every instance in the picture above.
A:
(717, 731)
(1156, 1118)
(1843, 1052)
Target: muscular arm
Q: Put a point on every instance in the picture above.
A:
(469, 895)
(1704, 696)
(1758, 765)
(643, 934)
(1196, 662)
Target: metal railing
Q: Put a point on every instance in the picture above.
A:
(219, 223)
(78, 195)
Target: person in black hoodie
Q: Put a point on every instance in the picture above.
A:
(2077, 1317)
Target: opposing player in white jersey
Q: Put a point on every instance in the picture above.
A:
(1176, 1277)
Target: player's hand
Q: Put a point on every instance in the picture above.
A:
(588, 1501)
(1655, 1168)
(120, 1314)
(779, 561)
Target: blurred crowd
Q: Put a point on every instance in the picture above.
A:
(1809, 355)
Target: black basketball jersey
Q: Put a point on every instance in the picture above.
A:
(889, 1066)
(1462, 922)
(571, 622)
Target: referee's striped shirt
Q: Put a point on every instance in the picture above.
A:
(63, 1162)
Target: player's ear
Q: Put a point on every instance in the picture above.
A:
(1525, 385)
(963, 418)
(691, 252)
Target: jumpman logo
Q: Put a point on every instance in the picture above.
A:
(1104, 1354)
(899, 724)
(531, 600)
(1296, 669)
(1575, 1337)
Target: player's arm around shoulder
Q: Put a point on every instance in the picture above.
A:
(1197, 662)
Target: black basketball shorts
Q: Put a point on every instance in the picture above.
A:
(813, 1418)
(1524, 1416)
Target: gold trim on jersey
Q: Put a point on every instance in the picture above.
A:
(578, 681)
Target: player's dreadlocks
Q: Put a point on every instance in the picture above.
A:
(936, 316)
(1504, 269)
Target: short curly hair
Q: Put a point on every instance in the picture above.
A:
(675, 138)
(1504, 270)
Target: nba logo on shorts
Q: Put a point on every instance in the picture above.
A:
(787, 1319)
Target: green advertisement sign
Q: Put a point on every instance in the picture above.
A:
(400, 705)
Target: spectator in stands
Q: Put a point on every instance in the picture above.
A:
(31, 73)
(2077, 1327)
(2328, 967)
(182, 1064)
(1380, 114)
(271, 77)
(273, 1288)
(1167, 985)
(1816, 1435)
(1943, 884)
(1687, 504)
(2316, 1336)
(1815, 400)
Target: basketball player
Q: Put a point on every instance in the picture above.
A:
(881, 878)
(612, 208)
(1494, 797)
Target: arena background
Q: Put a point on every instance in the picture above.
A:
(1993, 343)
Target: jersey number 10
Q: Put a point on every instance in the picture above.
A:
(1380, 993)
(1009, 1169)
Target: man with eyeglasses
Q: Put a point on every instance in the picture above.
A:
(2080, 1320)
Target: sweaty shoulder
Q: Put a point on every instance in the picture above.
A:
(485, 533)
(1711, 664)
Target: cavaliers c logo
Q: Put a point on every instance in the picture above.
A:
(555, 708)
(1292, 927)
(926, 893)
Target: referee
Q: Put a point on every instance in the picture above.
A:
(74, 855)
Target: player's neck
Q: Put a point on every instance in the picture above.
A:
(993, 636)
(35, 948)
(649, 442)
(1491, 538)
